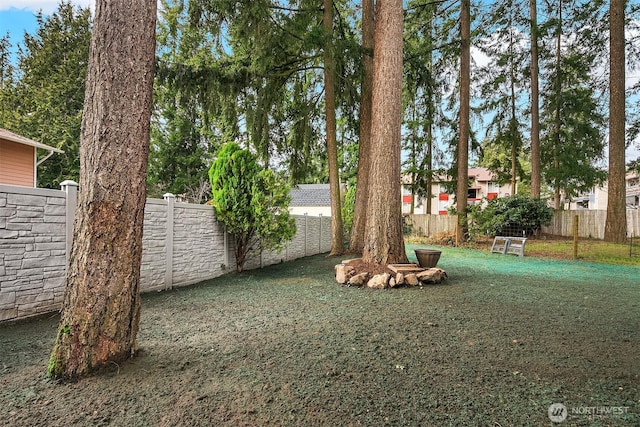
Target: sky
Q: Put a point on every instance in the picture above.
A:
(19, 16)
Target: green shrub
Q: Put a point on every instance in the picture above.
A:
(514, 215)
(252, 203)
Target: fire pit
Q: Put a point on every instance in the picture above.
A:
(427, 258)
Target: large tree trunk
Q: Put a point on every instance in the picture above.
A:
(463, 142)
(615, 229)
(337, 242)
(101, 309)
(383, 238)
(535, 108)
(356, 242)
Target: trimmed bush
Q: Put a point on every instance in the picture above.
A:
(251, 202)
(515, 215)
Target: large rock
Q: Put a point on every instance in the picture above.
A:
(400, 280)
(432, 275)
(379, 281)
(359, 279)
(411, 279)
(343, 273)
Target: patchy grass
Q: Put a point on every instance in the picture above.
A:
(591, 250)
(498, 344)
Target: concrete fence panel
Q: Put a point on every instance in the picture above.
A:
(182, 244)
(32, 250)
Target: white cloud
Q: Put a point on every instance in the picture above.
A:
(47, 6)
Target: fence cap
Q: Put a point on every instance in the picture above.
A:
(69, 183)
(168, 196)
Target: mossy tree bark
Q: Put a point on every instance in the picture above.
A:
(384, 242)
(101, 309)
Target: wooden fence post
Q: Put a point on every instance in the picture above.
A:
(575, 236)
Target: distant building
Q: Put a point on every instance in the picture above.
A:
(597, 198)
(19, 159)
(483, 187)
(310, 199)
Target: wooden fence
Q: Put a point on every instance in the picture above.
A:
(431, 225)
(590, 224)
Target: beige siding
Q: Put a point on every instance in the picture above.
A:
(16, 164)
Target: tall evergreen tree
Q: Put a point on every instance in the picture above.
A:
(464, 117)
(423, 89)
(337, 243)
(356, 242)
(184, 136)
(572, 122)
(504, 88)
(384, 242)
(101, 310)
(615, 229)
(6, 82)
(535, 101)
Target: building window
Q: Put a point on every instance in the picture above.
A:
(582, 204)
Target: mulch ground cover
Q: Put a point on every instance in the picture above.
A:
(495, 345)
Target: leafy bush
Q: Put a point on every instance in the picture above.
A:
(251, 202)
(513, 215)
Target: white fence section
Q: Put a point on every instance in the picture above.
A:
(182, 244)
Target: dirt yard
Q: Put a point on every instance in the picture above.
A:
(496, 345)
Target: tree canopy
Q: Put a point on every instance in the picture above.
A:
(42, 96)
(252, 72)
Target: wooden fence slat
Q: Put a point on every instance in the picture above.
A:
(591, 223)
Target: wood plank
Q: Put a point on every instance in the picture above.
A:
(405, 268)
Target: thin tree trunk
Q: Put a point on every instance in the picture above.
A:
(430, 118)
(364, 146)
(101, 309)
(463, 142)
(558, 112)
(615, 229)
(535, 109)
(514, 120)
(384, 242)
(414, 165)
(337, 242)
(429, 167)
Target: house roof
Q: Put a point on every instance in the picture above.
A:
(10, 136)
(310, 195)
(481, 174)
(478, 174)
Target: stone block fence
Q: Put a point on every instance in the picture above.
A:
(182, 244)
